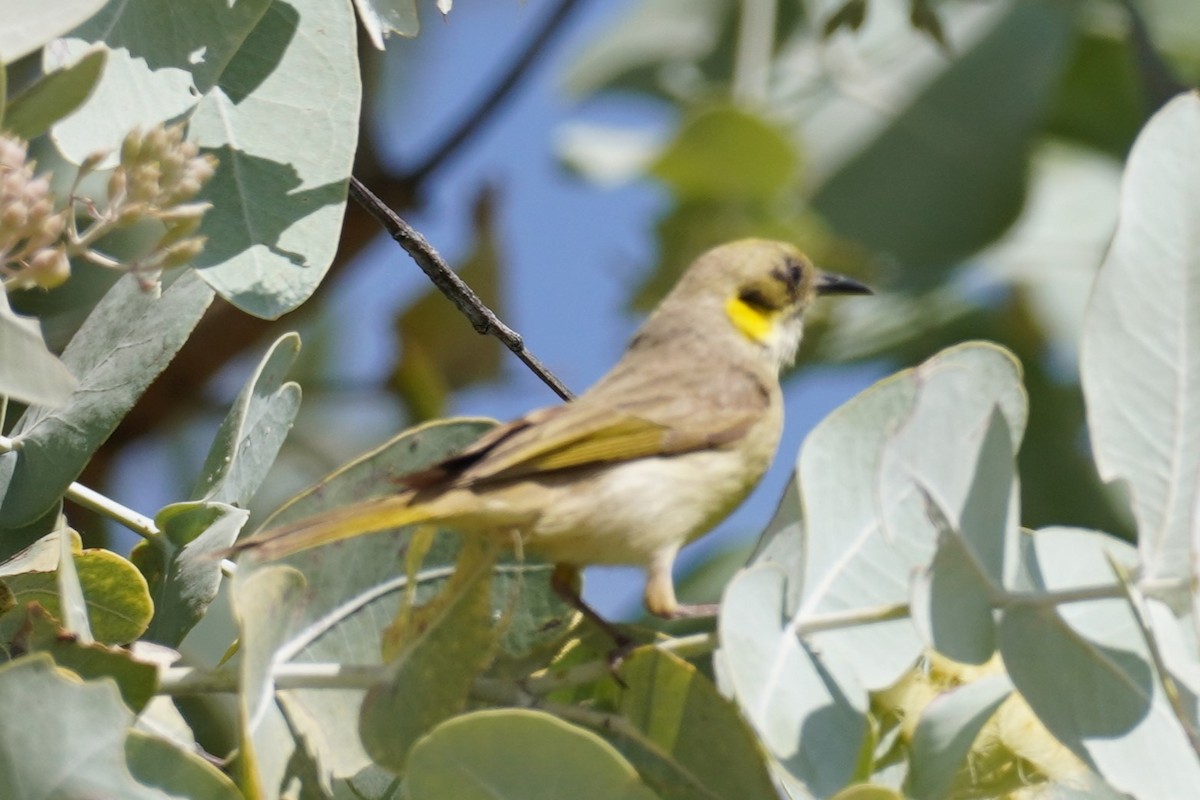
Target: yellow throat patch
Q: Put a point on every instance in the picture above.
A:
(756, 324)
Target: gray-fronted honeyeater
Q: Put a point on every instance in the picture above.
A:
(654, 455)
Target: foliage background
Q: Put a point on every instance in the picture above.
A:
(965, 162)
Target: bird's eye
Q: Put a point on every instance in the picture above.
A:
(790, 274)
(756, 299)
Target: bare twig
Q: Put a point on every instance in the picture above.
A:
(480, 112)
(482, 318)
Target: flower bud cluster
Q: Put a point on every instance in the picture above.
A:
(159, 173)
(156, 180)
(31, 250)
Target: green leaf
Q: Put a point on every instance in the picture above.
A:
(136, 680)
(945, 733)
(157, 763)
(1140, 358)
(865, 791)
(73, 609)
(252, 433)
(518, 754)
(127, 340)
(728, 154)
(32, 24)
(1063, 659)
(693, 741)
(71, 738)
(806, 704)
(29, 372)
(53, 97)
(115, 593)
(382, 18)
(446, 643)
(1100, 102)
(267, 604)
(183, 570)
(921, 192)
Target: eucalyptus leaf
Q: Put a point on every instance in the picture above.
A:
(518, 754)
(1095, 649)
(807, 706)
(158, 763)
(946, 732)
(267, 71)
(1141, 343)
(116, 599)
(29, 372)
(446, 643)
(127, 340)
(30, 24)
(278, 198)
(183, 568)
(382, 18)
(345, 596)
(685, 738)
(249, 438)
(71, 738)
(858, 527)
(136, 680)
(919, 191)
(56, 95)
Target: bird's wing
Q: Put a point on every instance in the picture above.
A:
(650, 419)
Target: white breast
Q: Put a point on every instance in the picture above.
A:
(630, 512)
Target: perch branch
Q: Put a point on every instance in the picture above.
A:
(482, 318)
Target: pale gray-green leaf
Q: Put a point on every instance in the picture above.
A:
(948, 727)
(284, 123)
(56, 95)
(71, 738)
(29, 372)
(182, 775)
(1141, 343)
(30, 24)
(127, 340)
(183, 569)
(1064, 660)
(158, 65)
(382, 18)
(250, 437)
(860, 530)
(806, 704)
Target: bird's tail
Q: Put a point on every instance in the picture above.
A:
(357, 519)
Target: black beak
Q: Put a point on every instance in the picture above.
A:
(830, 283)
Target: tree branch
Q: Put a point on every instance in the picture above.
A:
(474, 119)
(482, 318)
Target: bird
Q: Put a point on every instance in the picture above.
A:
(654, 455)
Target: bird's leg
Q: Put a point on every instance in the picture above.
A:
(565, 582)
(660, 591)
(695, 611)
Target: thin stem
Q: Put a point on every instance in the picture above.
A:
(105, 506)
(482, 318)
(481, 111)
(755, 43)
